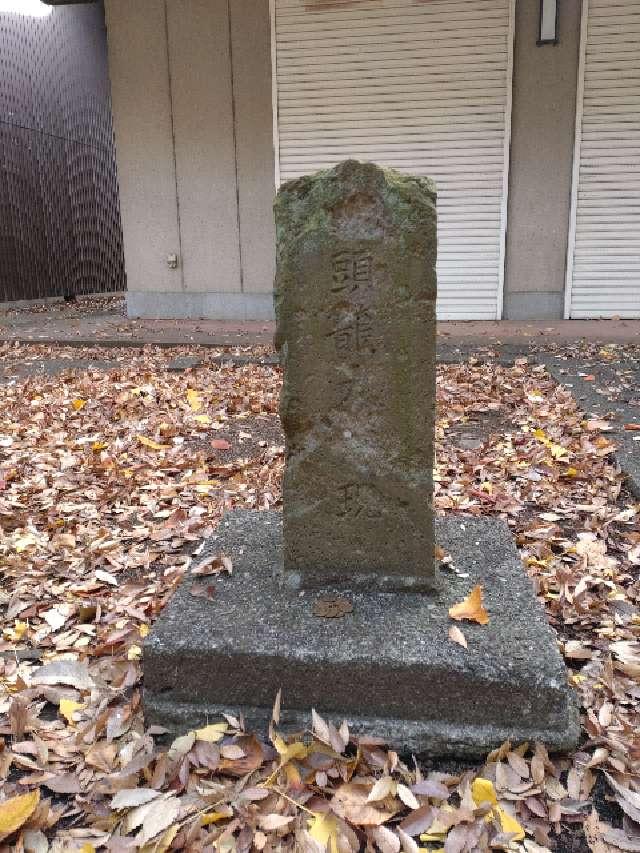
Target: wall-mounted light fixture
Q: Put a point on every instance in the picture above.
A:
(548, 33)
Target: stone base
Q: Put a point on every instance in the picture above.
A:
(388, 667)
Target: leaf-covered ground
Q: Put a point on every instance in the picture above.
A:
(110, 479)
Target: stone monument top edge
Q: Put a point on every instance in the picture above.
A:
(326, 186)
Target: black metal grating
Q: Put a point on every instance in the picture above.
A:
(60, 229)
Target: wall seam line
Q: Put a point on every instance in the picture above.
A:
(173, 146)
(235, 146)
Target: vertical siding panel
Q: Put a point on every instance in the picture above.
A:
(251, 42)
(604, 253)
(200, 65)
(144, 141)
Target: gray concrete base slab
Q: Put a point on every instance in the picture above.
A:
(388, 667)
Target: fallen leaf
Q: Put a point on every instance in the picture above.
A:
(270, 822)
(134, 653)
(73, 673)
(253, 757)
(213, 565)
(78, 404)
(621, 840)
(148, 442)
(350, 802)
(385, 839)
(106, 577)
(181, 746)
(153, 817)
(64, 783)
(482, 791)
(471, 608)
(200, 590)
(130, 798)
(407, 797)
(408, 844)
(323, 828)
(598, 424)
(382, 789)
(330, 607)
(55, 618)
(35, 841)
(68, 708)
(456, 635)
(213, 733)
(193, 398)
(232, 751)
(16, 811)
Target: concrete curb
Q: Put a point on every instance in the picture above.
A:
(115, 343)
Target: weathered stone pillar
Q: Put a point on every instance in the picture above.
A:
(355, 305)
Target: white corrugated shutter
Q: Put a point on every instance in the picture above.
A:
(423, 86)
(603, 275)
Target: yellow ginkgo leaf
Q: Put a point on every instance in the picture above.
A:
(212, 733)
(471, 608)
(482, 791)
(510, 824)
(203, 419)
(134, 653)
(87, 848)
(193, 398)
(16, 811)
(288, 752)
(20, 630)
(97, 446)
(148, 442)
(214, 817)
(79, 404)
(323, 828)
(143, 630)
(68, 708)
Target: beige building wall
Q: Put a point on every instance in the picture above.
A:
(542, 139)
(192, 102)
(203, 133)
(191, 90)
(141, 99)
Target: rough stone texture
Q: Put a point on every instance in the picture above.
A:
(355, 306)
(388, 668)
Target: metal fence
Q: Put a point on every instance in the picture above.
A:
(60, 229)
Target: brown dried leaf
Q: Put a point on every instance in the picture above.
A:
(330, 607)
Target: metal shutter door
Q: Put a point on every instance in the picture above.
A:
(424, 87)
(603, 272)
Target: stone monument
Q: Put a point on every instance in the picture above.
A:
(355, 304)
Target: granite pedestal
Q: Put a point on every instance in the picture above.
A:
(388, 667)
